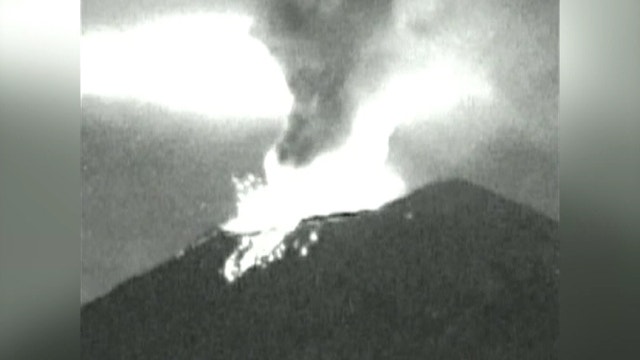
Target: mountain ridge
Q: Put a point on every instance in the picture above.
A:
(450, 270)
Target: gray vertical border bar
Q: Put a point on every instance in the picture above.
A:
(600, 179)
(40, 181)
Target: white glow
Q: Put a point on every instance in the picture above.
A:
(206, 63)
(352, 177)
(345, 180)
(421, 93)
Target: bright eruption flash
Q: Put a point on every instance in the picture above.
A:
(351, 178)
(209, 63)
(346, 180)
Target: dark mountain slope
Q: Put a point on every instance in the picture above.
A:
(451, 271)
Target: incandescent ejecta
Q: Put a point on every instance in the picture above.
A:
(314, 169)
(332, 157)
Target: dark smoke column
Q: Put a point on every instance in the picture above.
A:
(319, 45)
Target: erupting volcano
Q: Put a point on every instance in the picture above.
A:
(339, 248)
(450, 271)
(318, 167)
(332, 156)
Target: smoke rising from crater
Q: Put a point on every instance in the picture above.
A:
(320, 45)
(361, 70)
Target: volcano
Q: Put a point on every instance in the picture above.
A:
(451, 271)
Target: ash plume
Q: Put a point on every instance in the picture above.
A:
(319, 44)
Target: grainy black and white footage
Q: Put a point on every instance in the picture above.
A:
(253, 116)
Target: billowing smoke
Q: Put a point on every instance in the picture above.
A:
(357, 71)
(320, 44)
(346, 75)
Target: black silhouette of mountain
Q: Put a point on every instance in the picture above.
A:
(451, 271)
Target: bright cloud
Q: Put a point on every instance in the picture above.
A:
(206, 63)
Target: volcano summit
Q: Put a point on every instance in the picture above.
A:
(451, 271)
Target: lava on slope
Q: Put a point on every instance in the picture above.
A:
(450, 271)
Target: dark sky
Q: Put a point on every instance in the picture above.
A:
(154, 179)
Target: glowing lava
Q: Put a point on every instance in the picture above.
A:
(269, 209)
(351, 178)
